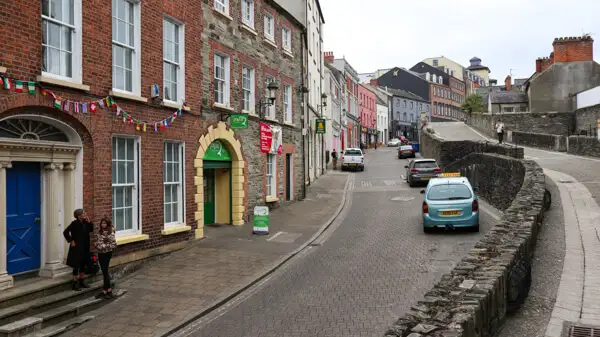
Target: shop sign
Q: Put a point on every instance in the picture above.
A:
(320, 126)
(238, 121)
(217, 152)
(271, 140)
(266, 137)
(261, 220)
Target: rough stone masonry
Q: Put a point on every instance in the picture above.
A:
(473, 299)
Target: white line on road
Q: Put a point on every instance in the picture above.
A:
(274, 236)
(403, 177)
(366, 183)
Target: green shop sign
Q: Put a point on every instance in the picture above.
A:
(217, 152)
(320, 126)
(239, 121)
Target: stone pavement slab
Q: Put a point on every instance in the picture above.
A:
(171, 291)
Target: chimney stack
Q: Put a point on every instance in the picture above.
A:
(373, 82)
(507, 83)
(573, 49)
(328, 57)
(538, 65)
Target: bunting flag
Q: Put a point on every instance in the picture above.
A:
(106, 103)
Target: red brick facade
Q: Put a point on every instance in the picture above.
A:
(567, 49)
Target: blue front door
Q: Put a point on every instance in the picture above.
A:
(23, 203)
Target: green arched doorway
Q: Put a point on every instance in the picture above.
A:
(217, 184)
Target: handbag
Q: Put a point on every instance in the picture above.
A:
(92, 267)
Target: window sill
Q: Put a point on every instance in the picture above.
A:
(250, 113)
(223, 107)
(173, 105)
(288, 54)
(175, 229)
(123, 240)
(248, 29)
(270, 43)
(271, 199)
(2, 70)
(62, 83)
(290, 124)
(225, 15)
(271, 119)
(131, 97)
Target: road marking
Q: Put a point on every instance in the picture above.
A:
(490, 213)
(389, 183)
(274, 236)
(366, 183)
(403, 177)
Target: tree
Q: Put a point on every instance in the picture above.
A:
(474, 103)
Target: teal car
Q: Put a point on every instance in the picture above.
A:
(450, 202)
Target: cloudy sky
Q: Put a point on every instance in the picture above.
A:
(505, 34)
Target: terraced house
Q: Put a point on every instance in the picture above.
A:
(145, 113)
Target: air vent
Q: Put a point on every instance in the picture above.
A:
(581, 331)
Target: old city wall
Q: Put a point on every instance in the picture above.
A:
(582, 138)
(555, 123)
(493, 279)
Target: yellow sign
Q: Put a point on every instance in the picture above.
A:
(449, 174)
(320, 126)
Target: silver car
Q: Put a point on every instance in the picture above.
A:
(420, 171)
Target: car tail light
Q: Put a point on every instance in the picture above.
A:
(414, 171)
(425, 208)
(362, 159)
(437, 170)
(475, 206)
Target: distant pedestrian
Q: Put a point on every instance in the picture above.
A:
(334, 157)
(362, 146)
(500, 131)
(77, 235)
(105, 245)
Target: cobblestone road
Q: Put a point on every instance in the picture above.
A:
(375, 265)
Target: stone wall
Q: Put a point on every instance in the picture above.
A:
(584, 146)
(586, 120)
(473, 299)
(447, 152)
(556, 123)
(539, 140)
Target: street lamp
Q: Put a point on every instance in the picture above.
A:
(323, 104)
(269, 100)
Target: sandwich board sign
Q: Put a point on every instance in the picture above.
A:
(261, 220)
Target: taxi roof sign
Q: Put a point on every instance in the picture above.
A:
(449, 174)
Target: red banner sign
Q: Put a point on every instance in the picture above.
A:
(266, 137)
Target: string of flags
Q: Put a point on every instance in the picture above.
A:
(70, 106)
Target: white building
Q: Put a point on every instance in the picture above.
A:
(334, 89)
(382, 120)
(314, 78)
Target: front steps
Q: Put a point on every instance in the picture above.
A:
(46, 307)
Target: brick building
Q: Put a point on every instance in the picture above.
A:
(94, 117)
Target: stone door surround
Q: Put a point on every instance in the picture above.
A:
(223, 133)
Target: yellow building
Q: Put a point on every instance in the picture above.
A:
(455, 69)
(480, 70)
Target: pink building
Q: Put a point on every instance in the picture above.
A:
(367, 114)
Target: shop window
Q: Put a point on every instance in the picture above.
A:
(271, 174)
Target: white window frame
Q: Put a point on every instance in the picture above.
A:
(136, 200)
(287, 103)
(226, 80)
(179, 185)
(222, 6)
(269, 30)
(248, 8)
(271, 183)
(180, 64)
(270, 111)
(136, 78)
(248, 71)
(76, 44)
(286, 39)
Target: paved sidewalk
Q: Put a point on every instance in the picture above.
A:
(171, 291)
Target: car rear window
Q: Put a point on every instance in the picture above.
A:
(449, 192)
(426, 164)
(352, 153)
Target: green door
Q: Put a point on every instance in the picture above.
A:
(209, 196)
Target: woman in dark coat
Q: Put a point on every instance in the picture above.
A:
(77, 235)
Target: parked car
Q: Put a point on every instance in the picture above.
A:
(353, 159)
(394, 142)
(421, 171)
(450, 202)
(406, 151)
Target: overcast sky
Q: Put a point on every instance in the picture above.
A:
(505, 34)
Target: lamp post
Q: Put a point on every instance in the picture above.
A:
(265, 102)
(323, 104)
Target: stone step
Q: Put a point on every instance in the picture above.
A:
(37, 305)
(63, 327)
(56, 317)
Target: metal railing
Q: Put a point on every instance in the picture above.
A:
(590, 131)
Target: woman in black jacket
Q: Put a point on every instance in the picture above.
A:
(77, 235)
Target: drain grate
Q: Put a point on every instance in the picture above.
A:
(582, 331)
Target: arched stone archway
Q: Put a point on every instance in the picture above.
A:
(222, 132)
